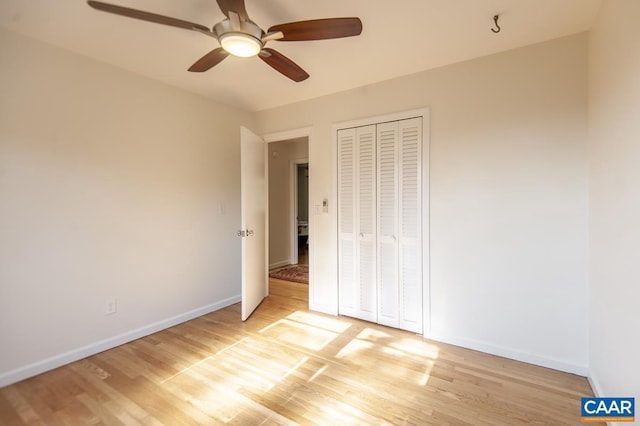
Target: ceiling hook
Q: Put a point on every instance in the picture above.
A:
(495, 19)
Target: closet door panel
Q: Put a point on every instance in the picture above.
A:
(380, 223)
(366, 222)
(347, 279)
(410, 224)
(387, 210)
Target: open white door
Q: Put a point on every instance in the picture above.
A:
(254, 215)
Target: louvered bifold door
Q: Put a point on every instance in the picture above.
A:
(347, 272)
(366, 222)
(380, 223)
(410, 223)
(387, 264)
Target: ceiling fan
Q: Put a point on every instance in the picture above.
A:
(240, 36)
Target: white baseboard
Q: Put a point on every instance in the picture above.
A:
(595, 386)
(30, 370)
(279, 264)
(581, 370)
(598, 393)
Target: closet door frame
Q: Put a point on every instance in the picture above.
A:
(424, 113)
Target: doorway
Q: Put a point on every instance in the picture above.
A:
(289, 221)
(300, 203)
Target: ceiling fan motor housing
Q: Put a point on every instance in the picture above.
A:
(244, 41)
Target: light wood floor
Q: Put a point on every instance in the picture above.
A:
(287, 365)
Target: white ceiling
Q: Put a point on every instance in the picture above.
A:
(398, 38)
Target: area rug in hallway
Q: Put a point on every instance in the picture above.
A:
(296, 273)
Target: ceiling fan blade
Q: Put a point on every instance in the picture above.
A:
(236, 6)
(283, 65)
(319, 29)
(209, 60)
(146, 16)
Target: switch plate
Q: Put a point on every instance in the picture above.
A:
(110, 306)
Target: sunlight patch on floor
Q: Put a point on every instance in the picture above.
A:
(330, 324)
(318, 373)
(392, 351)
(425, 378)
(373, 335)
(225, 409)
(353, 347)
(244, 374)
(341, 413)
(416, 347)
(222, 383)
(230, 406)
(237, 367)
(239, 342)
(186, 369)
(294, 368)
(299, 334)
(260, 374)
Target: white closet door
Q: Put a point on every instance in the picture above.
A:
(388, 289)
(366, 223)
(380, 223)
(347, 222)
(410, 212)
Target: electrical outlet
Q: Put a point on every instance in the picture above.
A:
(110, 306)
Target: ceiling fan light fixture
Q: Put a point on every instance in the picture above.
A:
(240, 44)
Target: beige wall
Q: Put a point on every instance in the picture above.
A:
(280, 231)
(114, 185)
(508, 196)
(614, 190)
(111, 185)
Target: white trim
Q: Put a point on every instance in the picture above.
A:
(293, 212)
(513, 354)
(288, 134)
(396, 116)
(279, 264)
(598, 392)
(38, 367)
(266, 218)
(293, 207)
(595, 385)
(333, 307)
(426, 222)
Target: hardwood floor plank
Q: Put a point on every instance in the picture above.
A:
(105, 393)
(14, 409)
(287, 366)
(33, 394)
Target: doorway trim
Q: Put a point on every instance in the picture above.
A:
(293, 134)
(293, 211)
